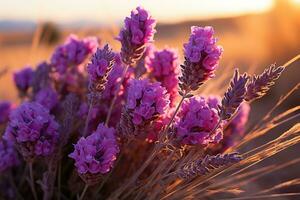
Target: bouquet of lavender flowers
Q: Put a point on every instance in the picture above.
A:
(92, 125)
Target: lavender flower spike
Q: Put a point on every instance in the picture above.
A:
(234, 96)
(138, 31)
(145, 102)
(95, 154)
(259, 85)
(99, 68)
(206, 165)
(72, 53)
(202, 56)
(33, 129)
(162, 66)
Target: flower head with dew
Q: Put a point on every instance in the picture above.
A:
(99, 68)
(146, 101)
(96, 153)
(23, 79)
(202, 56)
(137, 32)
(5, 109)
(47, 97)
(195, 123)
(72, 53)
(162, 66)
(8, 154)
(33, 129)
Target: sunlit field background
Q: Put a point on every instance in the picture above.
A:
(254, 34)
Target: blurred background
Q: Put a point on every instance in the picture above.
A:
(253, 33)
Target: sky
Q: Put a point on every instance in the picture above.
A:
(111, 11)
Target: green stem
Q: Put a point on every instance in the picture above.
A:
(84, 191)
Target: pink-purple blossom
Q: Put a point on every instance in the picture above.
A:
(23, 79)
(162, 66)
(72, 53)
(33, 129)
(145, 100)
(138, 31)
(100, 62)
(140, 25)
(97, 152)
(202, 47)
(47, 97)
(8, 154)
(99, 68)
(196, 121)
(202, 56)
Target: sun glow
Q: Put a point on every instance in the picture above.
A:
(112, 11)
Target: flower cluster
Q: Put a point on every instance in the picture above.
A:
(145, 102)
(5, 109)
(8, 154)
(196, 122)
(33, 129)
(97, 152)
(23, 79)
(72, 53)
(138, 31)
(101, 103)
(202, 56)
(162, 66)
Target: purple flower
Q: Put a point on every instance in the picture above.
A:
(162, 65)
(23, 79)
(99, 68)
(145, 100)
(72, 53)
(196, 121)
(33, 129)
(8, 154)
(138, 31)
(202, 56)
(111, 89)
(97, 152)
(5, 109)
(47, 97)
(146, 103)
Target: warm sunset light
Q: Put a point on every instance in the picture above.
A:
(107, 11)
(149, 99)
